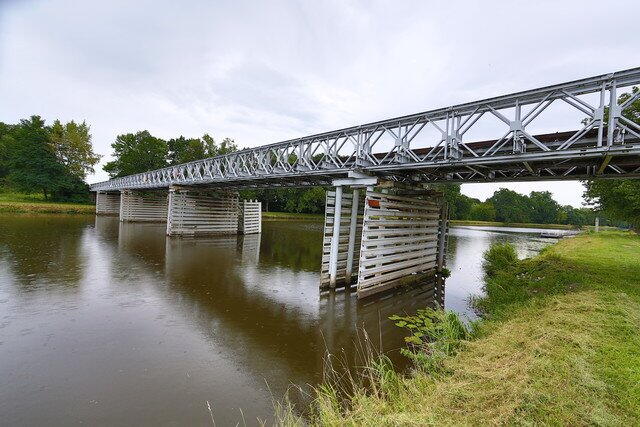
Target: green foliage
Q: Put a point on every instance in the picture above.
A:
(183, 150)
(510, 206)
(72, 145)
(500, 256)
(619, 198)
(135, 153)
(435, 334)
(32, 164)
(482, 212)
(559, 346)
(542, 207)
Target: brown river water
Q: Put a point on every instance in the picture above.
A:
(103, 322)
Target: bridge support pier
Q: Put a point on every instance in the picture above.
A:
(340, 256)
(107, 203)
(143, 206)
(395, 236)
(194, 212)
(250, 219)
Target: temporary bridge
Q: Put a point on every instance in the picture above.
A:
(382, 220)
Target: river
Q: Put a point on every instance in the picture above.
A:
(103, 322)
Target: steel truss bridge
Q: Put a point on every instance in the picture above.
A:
(436, 145)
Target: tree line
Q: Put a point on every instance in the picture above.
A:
(506, 205)
(141, 152)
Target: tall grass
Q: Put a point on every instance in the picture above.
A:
(559, 344)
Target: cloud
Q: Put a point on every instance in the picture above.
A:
(264, 72)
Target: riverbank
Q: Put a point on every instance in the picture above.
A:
(320, 217)
(560, 344)
(19, 203)
(463, 222)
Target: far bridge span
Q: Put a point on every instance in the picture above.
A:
(516, 137)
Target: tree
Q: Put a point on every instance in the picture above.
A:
(543, 209)
(183, 150)
(5, 139)
(135, 153)
(482, 212)
(227, 146)
(618, 198)
(72, 146)
(510, 206)
(31, 161)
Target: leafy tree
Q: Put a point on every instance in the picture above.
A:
(72, 146)
(618, 198)
(5, 140)
(482, 212)
(31, 160)
(543, 209)
(135, 153)
(510, 206)
(183, 150)
(227, 146)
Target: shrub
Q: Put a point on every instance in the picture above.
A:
(499, 257)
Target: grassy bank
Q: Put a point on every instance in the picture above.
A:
(276, 216)
(17, 203)
(319, 217)
(560, 345)
(464, 222)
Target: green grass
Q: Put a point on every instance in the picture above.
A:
(267, 216)
(560, 345)
(19, 203)
(464, 222)
(276, 216)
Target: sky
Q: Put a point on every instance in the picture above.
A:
(262, 72)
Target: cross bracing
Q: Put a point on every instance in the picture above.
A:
(438, 145)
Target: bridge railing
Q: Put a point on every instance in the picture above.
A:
(435, 139)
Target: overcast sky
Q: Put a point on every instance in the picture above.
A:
(261, 72)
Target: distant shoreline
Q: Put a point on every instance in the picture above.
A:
(43, 207)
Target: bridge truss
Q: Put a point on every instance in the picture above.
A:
(436, 145)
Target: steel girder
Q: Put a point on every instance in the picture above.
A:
(393, 148)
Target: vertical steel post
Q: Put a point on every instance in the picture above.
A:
(600, 113)
(442, 235)
(352, 234)
(335, 238)
(170, 201)
(123, 203)
(613, 103)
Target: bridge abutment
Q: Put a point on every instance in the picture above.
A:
(107, 203)
(143, 206)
